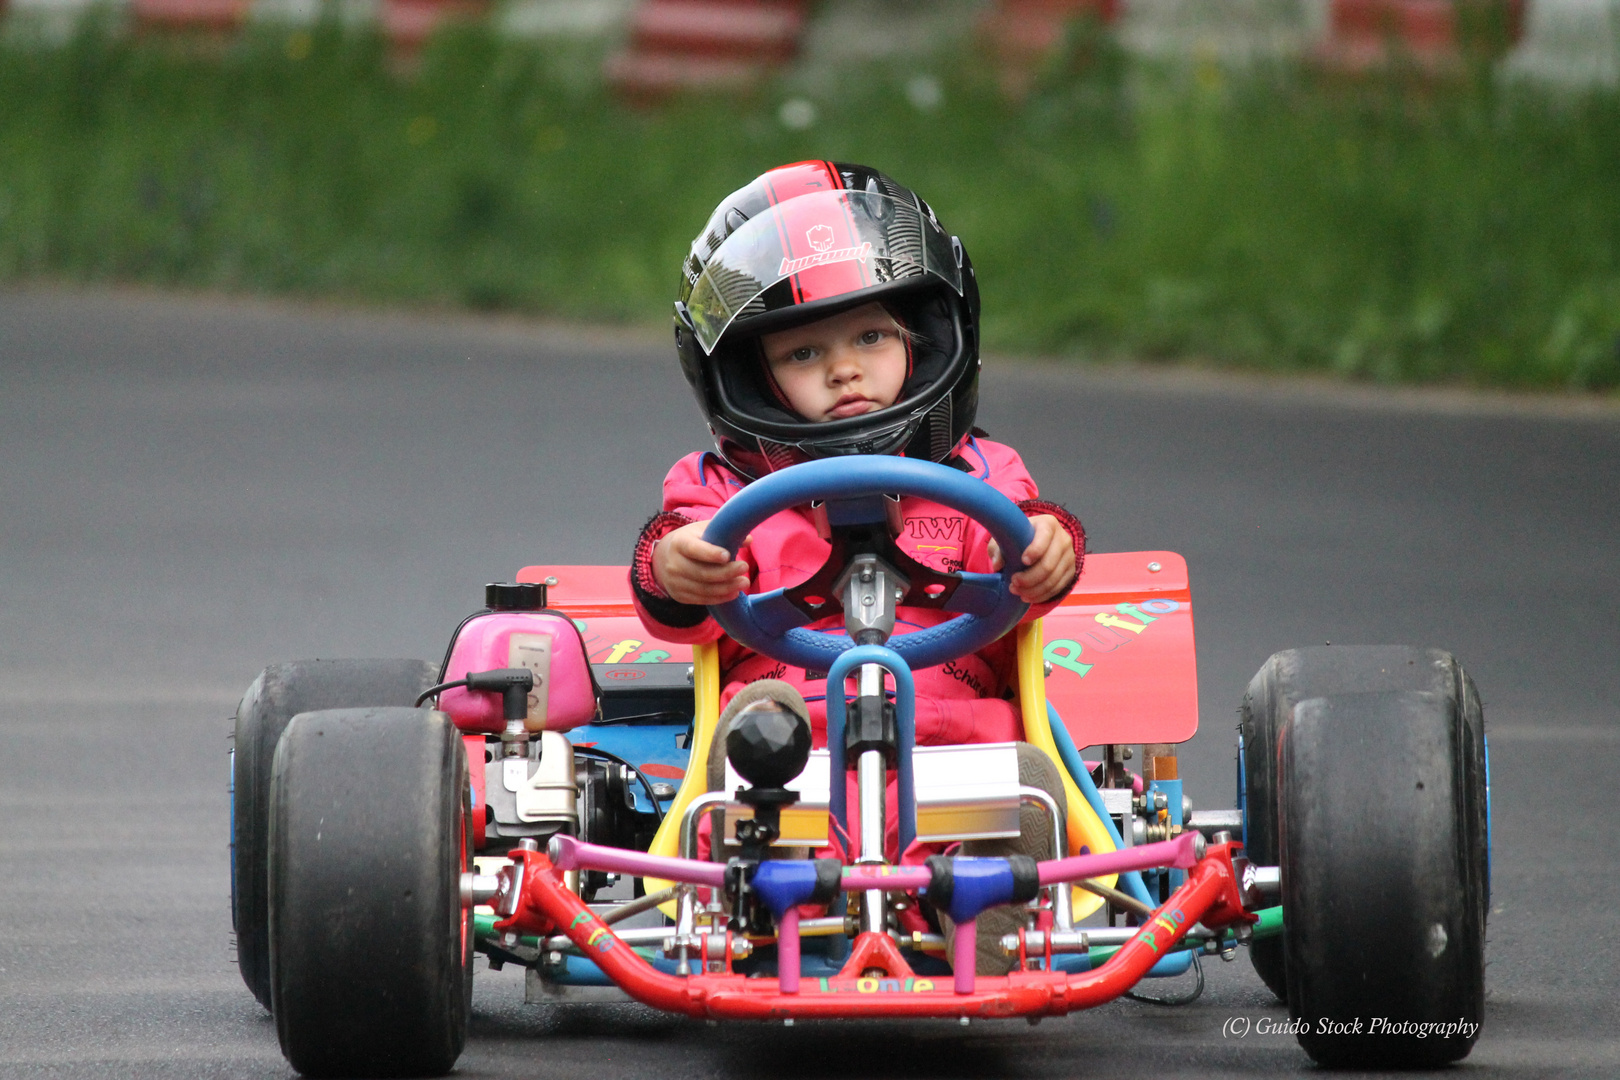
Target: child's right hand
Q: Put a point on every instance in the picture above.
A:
(694, 571)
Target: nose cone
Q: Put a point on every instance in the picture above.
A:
(767, 744)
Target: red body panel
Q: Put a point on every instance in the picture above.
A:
(1130, 678)
(475, 771)
(1124, 667)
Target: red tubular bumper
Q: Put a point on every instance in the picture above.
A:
(1209, 895)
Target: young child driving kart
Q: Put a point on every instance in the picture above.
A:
(823, 312)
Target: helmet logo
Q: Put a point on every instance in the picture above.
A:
(821, 239)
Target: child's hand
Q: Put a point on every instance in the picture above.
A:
(1049, 559)
(693, 571)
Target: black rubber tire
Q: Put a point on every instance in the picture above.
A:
(1382, 815)
(370, 948)
(281, 692)
(1295, 675)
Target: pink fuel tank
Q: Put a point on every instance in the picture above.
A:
(564, 694)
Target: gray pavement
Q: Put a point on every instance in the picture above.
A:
(193, 488)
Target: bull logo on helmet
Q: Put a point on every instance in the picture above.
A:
(820, 237)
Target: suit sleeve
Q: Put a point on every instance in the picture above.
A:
(693, 491)
(1002, 468)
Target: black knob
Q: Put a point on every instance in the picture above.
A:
(524, 596)
(767, 744)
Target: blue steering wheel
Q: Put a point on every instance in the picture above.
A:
(853, 490)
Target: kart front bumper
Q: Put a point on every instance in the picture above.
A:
(876, 981)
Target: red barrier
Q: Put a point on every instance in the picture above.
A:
(1434, 35)
(1023, 34)
(692, 44)
(209, 16)
(407, 24)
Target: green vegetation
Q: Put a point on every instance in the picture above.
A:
(1392, 229)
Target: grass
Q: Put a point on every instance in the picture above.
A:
(1390, 229)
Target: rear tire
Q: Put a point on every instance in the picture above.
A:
(279, 693)
(370, 948)
(1296, 675)
(1381, 815)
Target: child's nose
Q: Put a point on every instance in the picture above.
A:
(845, 366)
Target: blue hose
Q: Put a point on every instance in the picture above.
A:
(1131, 880)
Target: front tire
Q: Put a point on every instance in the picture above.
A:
(281, 692)
(1296, 675)
(1381, 817)
(370, 947)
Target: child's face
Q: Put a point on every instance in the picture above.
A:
(840, 366)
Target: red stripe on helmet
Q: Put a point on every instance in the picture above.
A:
(786, 183)
(801, 178)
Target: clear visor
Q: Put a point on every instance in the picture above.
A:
(830, 244)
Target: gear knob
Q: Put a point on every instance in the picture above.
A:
(768, 744)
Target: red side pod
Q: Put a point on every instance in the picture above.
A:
(475, 770)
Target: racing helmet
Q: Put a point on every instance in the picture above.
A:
(801, 243)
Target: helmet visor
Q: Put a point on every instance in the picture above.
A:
(827, 244)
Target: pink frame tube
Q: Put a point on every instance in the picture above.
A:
(567, 853)
(1180, 853)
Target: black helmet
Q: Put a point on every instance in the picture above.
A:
(803, 242)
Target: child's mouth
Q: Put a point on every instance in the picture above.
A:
(850, 405)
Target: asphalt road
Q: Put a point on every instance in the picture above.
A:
(191, 489)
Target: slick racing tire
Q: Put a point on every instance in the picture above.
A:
(1296, 675)
(279, 693)
(370, 947)
(1381, 828)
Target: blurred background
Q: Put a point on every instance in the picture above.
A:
(1396, 190)
(467, 217)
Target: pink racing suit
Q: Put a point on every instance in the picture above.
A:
(963, 701)
(967, 700)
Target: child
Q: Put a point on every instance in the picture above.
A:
(824, 312)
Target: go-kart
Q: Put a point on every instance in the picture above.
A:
(390, 819)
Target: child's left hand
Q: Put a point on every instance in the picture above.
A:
(1049, 560)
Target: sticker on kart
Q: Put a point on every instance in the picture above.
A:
(1122, 664)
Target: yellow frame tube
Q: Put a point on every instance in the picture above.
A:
(705, 715)
(1084, 828)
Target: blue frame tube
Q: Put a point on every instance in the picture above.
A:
(905, 729)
